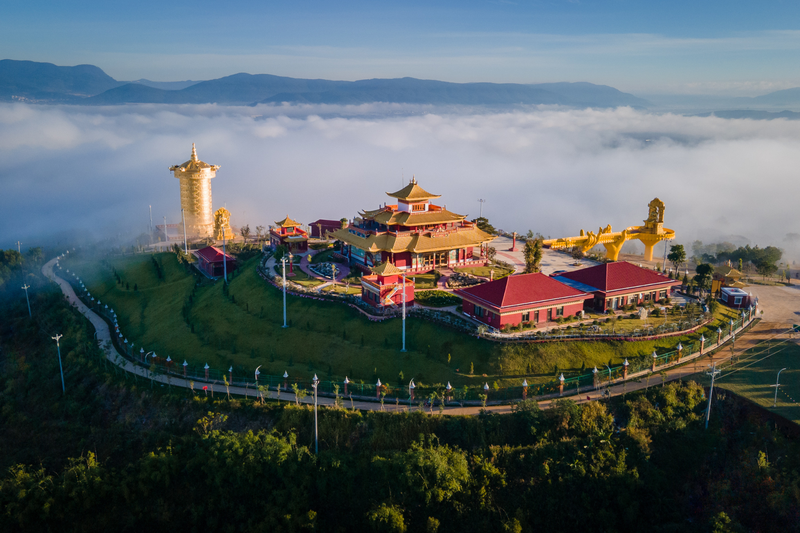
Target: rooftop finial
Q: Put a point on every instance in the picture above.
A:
(413, 179)
(194, 153)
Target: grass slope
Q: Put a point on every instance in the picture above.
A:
(244, 330)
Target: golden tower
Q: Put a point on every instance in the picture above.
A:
(195, 177)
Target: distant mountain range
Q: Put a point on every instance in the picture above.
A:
(29, 81)
(34, 82)
(752, 114)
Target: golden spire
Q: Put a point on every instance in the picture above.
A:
(194, 153)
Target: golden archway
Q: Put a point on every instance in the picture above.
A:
(651, 233)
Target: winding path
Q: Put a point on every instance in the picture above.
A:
(759, 332)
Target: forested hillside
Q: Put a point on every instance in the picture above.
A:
(116, 454)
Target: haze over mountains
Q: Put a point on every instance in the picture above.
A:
(89, 85)
(45, 83)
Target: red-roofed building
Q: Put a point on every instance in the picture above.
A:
(210, 261)
(384, 287)
(289, 234)
(320, 227)
(525, 298)
(618, 284)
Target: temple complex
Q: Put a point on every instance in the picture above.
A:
(289, 234)
(412, 234)
(195, 179)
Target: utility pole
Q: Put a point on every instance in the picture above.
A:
(481, 200)
(185, 247)
(713, 373)
(404, 314)
(19, 251)
(58, 347)
(26, 287)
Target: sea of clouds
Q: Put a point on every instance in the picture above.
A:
(72, 170)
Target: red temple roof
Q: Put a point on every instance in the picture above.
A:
(522, 289)
(212, 254)
(617, 276)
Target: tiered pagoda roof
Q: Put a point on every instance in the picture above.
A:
(387, 269)
(287, 223)
(389, 216)
(434, 230)
(413, 193)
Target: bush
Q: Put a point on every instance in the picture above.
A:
(436, 298)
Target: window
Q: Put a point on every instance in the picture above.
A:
(737, 300)
(418, 207)
(560, 311)
(526, 316)
(479, 310)
(550, 315)
(536, 316)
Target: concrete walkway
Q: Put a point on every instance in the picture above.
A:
(760, 332)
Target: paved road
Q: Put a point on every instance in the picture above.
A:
(759, 332)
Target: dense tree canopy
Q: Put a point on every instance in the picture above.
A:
(112, 454)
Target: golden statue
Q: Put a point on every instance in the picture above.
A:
(222, 224)
(195, 178)
(650, 234)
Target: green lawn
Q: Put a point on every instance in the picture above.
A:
(327, 338)
(486, 271)
(300, 277)
(424, 281)
(324, 256)
(341, 289)
(756, 378)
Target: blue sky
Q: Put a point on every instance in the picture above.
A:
(713, 47)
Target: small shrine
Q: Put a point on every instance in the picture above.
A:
(222, 224)
(289, 234)
(726, 276)
(384, 287)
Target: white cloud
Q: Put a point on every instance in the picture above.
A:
(547, 169)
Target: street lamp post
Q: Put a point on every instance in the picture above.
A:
(61, 368)
(25, 288)
(713, 373)
(315, 384)
(224, 259)
(777, 384)
(185, 247)
(283, 261)
(403, 349)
